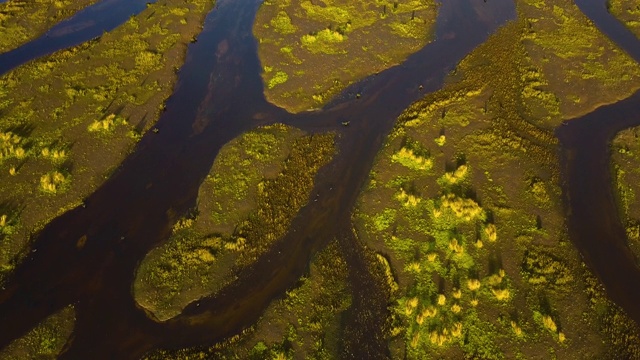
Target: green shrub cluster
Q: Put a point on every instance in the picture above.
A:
(543, 269)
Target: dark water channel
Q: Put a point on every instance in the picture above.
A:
(585, 155)
(87, 24)
(218, 97)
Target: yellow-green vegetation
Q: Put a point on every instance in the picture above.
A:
(625, 157)
(477, 239)
(256, 186)
(620, 331)
(580, 66)
(304, 324)
(45, 341)
(21, 21)
(69, 119)
(106, 125)
(311, 50)
(628, 11)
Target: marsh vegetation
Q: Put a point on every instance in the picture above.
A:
(311, 51)
(256, 186)
(464, 200)
(21, 21)
(69, 119)
(627, 11)
(46, 340)
(625, 153)
(457, 246)
(306, 323)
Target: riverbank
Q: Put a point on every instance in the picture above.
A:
(46, 340)
(625, 158)
(70, 118)
(22, 21)
(310, 52)
(628, 12)
(254, 189)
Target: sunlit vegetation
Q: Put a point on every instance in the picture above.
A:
(625, 153)
(582, 67)
(304, 324)
(53, 182)
(477, 239)
(106, 125)
(542, 268)
(45, 341)
(628, 11)
(311, 51)
(21, 21)
(413, 156)
(69, 119)
(256, 186)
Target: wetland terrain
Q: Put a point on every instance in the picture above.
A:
(304, 179)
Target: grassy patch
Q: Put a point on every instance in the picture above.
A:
(45, 341)
(256, 186)
(583, 67)
(70, 118)
(324, 47)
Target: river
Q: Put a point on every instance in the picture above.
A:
(593, 218)
(89, 23)
(136, 208)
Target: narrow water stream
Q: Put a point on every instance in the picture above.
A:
(86, 24)
(594, 223)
